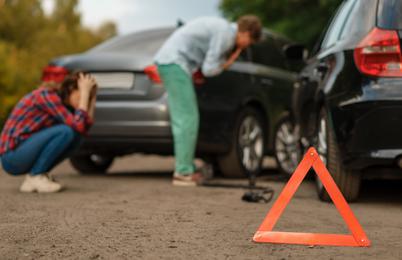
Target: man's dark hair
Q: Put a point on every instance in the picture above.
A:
(251, 24)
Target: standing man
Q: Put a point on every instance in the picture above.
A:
(205, 44)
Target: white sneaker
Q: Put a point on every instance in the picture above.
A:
(40, 183)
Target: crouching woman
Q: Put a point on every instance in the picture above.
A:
(44, 128)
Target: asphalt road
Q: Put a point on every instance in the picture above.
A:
(135, 213)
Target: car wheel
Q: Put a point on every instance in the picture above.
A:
(286, 146)
(92, 163)
(347, 181)
(247, 149)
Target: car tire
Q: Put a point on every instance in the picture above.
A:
(247, 149)
(347, 181)
(92, 163)
(287, 148)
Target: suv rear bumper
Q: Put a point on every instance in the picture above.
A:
(369, 128)
(382, 158)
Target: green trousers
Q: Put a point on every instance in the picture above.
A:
(184, 115)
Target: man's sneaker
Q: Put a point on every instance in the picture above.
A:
(187, 180)
(40, 183)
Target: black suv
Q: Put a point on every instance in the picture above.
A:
(348, 100)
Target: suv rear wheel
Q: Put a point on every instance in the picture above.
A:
(91, 163)
(347, 181)
(247, 149)
(286, 146)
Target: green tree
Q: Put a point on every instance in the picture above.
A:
(300, 20)
(107, 29)
(29, 39)
(20, 20)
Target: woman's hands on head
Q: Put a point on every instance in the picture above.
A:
(87, 87)
(86, 84)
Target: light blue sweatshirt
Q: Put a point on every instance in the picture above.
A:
(202, 43)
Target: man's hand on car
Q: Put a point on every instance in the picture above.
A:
(232, 58)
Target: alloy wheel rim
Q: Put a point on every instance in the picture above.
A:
(251, 142)
(286, 148)
(98, 159)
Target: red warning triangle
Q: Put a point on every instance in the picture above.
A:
(265, 233)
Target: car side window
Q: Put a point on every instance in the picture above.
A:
(389, 14)
(338, 24)
(268, 53)
(245, 55)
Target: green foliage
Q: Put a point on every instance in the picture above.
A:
(29, 39)
(300, 20)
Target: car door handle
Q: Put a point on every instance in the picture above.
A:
(267, 82)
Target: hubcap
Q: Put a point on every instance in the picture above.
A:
(98, 159)
(287, 148)
(251, 142)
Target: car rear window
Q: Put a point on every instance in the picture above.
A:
(148, 43)
(390, 14)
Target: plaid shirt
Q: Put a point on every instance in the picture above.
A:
(39, 109)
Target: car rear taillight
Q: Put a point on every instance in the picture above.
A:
(379, 54)
(198, 78)
(54, 74)
(152, 73)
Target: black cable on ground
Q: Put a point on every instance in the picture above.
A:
(255, 194)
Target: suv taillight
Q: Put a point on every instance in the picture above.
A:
(379, 54)
(54, 74)
(198, 78)
(152, 73)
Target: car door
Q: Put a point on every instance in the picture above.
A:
(219, 99)
(273, 77)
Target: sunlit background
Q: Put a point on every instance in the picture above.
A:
(132, 15)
